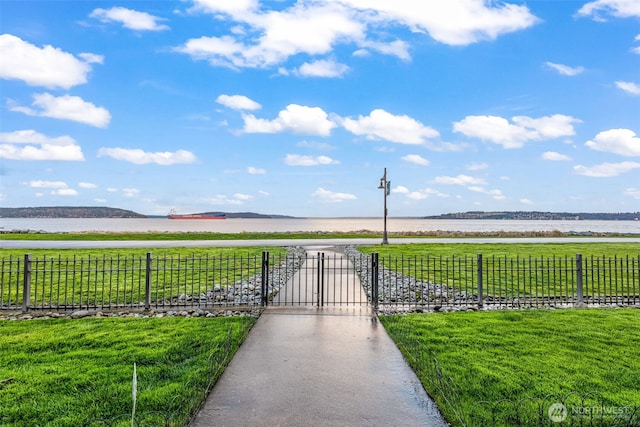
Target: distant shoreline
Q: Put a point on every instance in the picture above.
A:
(78, 212)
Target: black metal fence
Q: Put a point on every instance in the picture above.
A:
(387, 283)
(143, 282)
(439, 283)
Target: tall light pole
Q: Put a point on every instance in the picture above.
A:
(386, 187)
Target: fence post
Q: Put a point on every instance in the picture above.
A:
(147, 283)
(480, 274)
(26, 288)
(265, 278)
(374, 280)
(579, 277)
(321, 279)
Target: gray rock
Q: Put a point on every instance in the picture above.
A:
(79, 314)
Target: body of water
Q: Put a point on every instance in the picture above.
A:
(239, 225)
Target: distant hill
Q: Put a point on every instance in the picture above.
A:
(102, 212)
(68, 212)
(534, 215)
(254, 215)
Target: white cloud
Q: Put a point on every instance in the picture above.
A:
(243, 197)
(300, 160)
(131, 19)
(32, 145)
(269, 34)
(416, 159)
(397, 48)
(47, 184)
(633, 193)
(238, 102)
(237, 8)
(47, 66)
(66, 192)
(298, 119)
(527, 202)
(616, 8)
(522, 129)
(302, 28)
(565, 70)
(67, 108)
(322, 68)
(332, 197)
(605, 170)
(624, 142)
(494, 194)
(141, 157)
(417, 194)
(459, 180)
(92, 58)
(87, 185)
(255, 171)
(471, 184)
(380, 124)
(454, 22)
(400, 189)
(629, 87)
(555, 156)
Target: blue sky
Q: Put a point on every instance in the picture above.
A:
(296, 107)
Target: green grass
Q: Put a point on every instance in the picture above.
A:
(72, 372)
(505, 249)
(185, 236)
(547, 356)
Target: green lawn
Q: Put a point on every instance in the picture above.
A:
(535, 250)
(527, 358)
(184, 236)
(75, 372)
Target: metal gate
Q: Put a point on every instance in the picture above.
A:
(324, 279)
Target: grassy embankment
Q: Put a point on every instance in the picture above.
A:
(521, 362)
(107, 236)
(153, 235)
(530, 358)
(73, 372)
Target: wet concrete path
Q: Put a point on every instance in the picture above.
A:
(310, 366)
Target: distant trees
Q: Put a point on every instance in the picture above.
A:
(534, 215)
(68, 212)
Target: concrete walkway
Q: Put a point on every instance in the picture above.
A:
(310, 366)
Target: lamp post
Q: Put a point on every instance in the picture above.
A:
(386, 187)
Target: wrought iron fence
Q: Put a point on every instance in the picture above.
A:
(390, 283)
(441, 283)
(143, 282)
